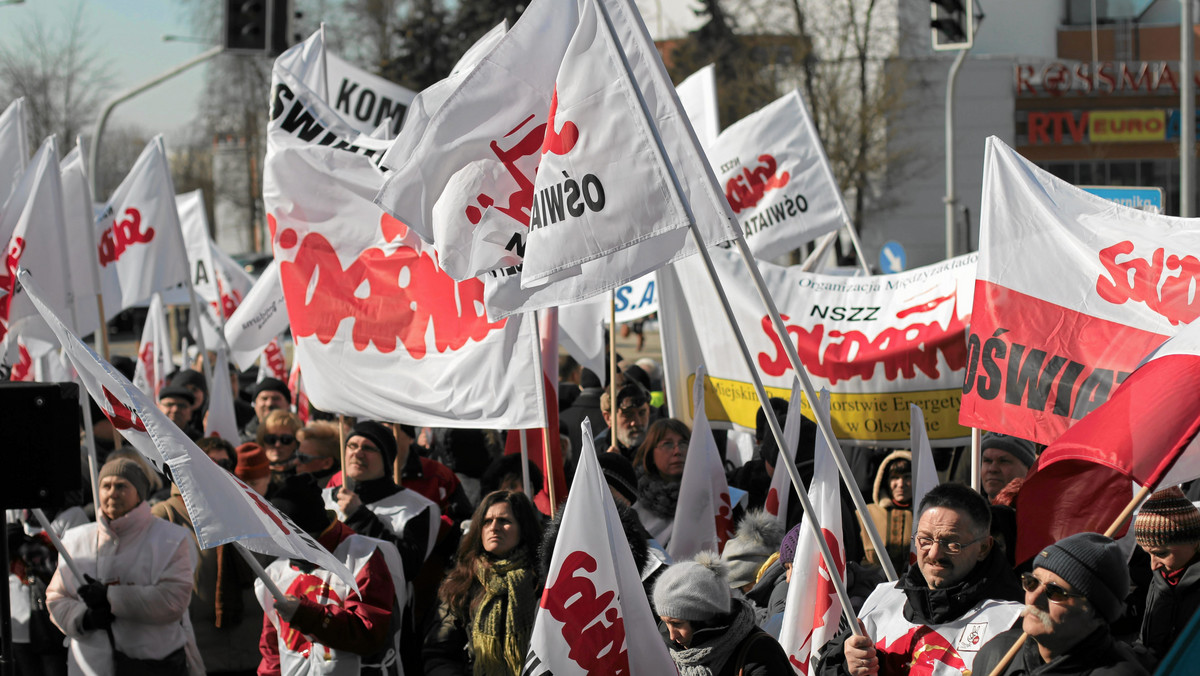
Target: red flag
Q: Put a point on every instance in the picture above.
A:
(1144, 433)
(548, 334)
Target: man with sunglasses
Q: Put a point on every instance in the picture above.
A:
(1077, 588)
(960, 594)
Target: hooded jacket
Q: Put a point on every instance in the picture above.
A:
(893, 521)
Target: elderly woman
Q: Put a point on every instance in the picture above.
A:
(487, 603)
(659, 465)
(132, 604)
(710, 633)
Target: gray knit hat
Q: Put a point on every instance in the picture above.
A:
(694, 590)
(128, 470)
(1094, 566)
(1021, 449)
(758, 537)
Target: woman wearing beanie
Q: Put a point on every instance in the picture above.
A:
(709, 632)
(487, 603)
(1168, 529)
(659, 465)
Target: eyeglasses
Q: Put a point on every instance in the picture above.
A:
(951, 546)
(671, 446)
(1055, 593)
(284, 439)
(304, 458)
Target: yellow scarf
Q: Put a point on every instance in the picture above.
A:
(503, 620)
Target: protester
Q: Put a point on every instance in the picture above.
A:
(176, 402)
(959, 582)
(133, 601)
(224, 614)
(414, 471)
(711, 633)
(1076, 590)
(569, 372)
(195, 383)
(323, 625)
(745, 555)
(269, 394)
(628, 429)
(1168, 529)
(487, 603)
(277, 437)
(585, 406)
(319, 451)
(891, 510)
(659, 464)
(1003, 458)
(252, 467)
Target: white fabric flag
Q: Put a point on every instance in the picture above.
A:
(581, 332)
(418, 346)
(924, 471)
(777, 178)
(813, 609)
(698, 95)
(261, 316)
(271, 363)
(79, 213)
(139, 235)
(222, 508)
(704, 511)
(221, 420)
(780, 492)
(154, 353)
(32, 231)
(196, 237)
(14, 148)
(594, 617)
(366, 101)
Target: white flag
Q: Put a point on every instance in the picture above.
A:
(777, 178)
(271, 363)
(261, 316)
(139, 234)
(704, 512)
(194, 224)
(14, 148)
(698, 95)
(79, 213)
(221, 420)
(154, 353)
(366, 101)
(222, 508)
(813, 609)
(581, 332)
(419, 346)
(594, 617)
(781, 484)
(924, 472)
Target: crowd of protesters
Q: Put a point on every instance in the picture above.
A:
(449, 541)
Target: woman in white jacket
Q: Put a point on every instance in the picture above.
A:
(139, 582)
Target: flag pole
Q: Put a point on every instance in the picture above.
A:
(976, 442)
(1108, 533)
(547, 467)
(525, 464)
(612, 369)
(62, 550)
(549, 471)
(826, 428)
(822, 246)
(814, 526)
(342, 450)
(276, 592)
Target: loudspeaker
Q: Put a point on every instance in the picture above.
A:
(39, 436)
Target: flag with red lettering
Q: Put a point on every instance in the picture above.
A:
(221, 420)
(271, 363)
(548, 336)
(704, 511)
(1072, 291)
(381, 331)
(140, 240)
(14, 148)
(594, 617)
(780, 492)
(470, 178)
(259, 318)
(777, 178)
(79, 213)
(813, 610)
(1146, 432)
(33, 230)
(154, 362)
(221, 507)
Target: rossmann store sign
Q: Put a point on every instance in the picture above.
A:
(1125, 102)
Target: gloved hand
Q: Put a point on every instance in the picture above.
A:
(95, 595)
(287, 607)
(94, 619)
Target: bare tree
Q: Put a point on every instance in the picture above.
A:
(59, 72)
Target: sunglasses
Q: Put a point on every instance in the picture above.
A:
(285, 439)
(1055, 593)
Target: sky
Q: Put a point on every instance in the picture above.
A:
(128, 33)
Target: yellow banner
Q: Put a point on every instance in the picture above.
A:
(1117, 126)
(871, 417)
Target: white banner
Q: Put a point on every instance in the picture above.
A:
(79, 214)
(364, 100)
(261, 316)
(698, 95)
(154, 362)
(221, 419)
(635, 300)
(14, 148)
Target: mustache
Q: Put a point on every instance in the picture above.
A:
(1040, 614)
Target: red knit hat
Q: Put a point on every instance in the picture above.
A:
(251, 462)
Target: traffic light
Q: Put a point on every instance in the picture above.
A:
(953, 23)
(258, 26)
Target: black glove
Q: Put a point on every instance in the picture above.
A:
(95, 595)
(94, 619)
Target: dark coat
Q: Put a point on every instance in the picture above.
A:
(758, 654)
(1097, 655)
(1168, 609)
(586, 405)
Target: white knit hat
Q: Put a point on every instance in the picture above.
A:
(695, 590)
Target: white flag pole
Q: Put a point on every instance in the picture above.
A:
(814, 525)
(525, 463)
(260, 572)
(976, 442)
(62, 551)
(810, 264)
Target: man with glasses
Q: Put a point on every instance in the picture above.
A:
(960, 594)
(627, 426)
(1077, 588)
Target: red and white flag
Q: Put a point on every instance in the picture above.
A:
(272, 363)
(222, 508)
(594, 617)
(813, 609)
(1072, 291)
(1146, 432)
(380, 329)
(260, 318)
(780, 492)
(221, 419)
(299, 397)
(777, 178)
(154, 353)
(548, 337)
(14, 148)
(704, 512)
(138, 232)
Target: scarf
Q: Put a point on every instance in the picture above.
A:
(709, 655)
(503, 617)
(658, 496)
